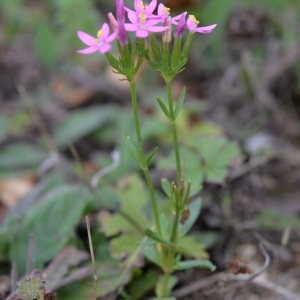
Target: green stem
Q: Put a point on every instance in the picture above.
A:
(175, 222)
(174, 132)
(142, 155)
(165, 285)
(171, 252)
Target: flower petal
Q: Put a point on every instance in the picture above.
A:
(104, 48)
(142, 34)
(191, 25)
(88, 50)
(132, 17)
(130, 27)
(105, 31)
(137, 5)
(150, 7)
(176, 19)
(111, 37)
(86, 38)
(206, 29)
(151, 22)
(157, 28)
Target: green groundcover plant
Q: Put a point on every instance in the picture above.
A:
(168, 56)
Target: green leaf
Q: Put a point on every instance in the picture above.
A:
(21, 155)
(164, 108)
(195, 208)
(216, 151)
(4, 127)
(152, 235)
(217, 154)
(166, 186)
(190, 247)
(143, 284)
(108, 198)
(191, 167)
(45, 44)
(150, 251)
(216, 173)
(148, 159)
(198, 263)
(179, 103)
(133, 149)
(125, 244)
(48, 225)
(274, 220)
(4, 245)
(81, 123)
(160, 286)
(207, 238)
(165, 226)
(130, 221)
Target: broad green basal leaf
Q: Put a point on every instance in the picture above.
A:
(216, 155)
(190, 164)
(190, 247)
(130, 221)
(80, 123)
(48, 226)
(21, 155)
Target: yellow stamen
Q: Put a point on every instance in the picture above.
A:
(99, 34)
(141, 5)
(142, 17)
(166, 10)
(193, 19)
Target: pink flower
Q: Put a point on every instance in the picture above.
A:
(181, 24)
(140, 7)
(192, 24)
(142, 25)
(162, 11)
(101, 43)
(119, 23)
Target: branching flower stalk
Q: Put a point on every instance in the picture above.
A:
(168, 59)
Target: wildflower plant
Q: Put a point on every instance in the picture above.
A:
(166, 53)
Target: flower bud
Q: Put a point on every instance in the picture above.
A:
(113, 22)
(166, 35)
(180, 26)
(120, 10)
(122, 34)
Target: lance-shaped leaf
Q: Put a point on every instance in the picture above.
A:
(148, 159)
(166, 186)
(152, 235)
(197, 263)
(133, 149)
(179, 103)
(164, 108)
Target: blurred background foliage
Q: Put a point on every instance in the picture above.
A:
(63, 113)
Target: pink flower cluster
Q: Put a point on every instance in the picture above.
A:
(142, 21)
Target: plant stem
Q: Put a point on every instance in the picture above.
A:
(142, 155)
(174, 131)
(173, 238)
(165, 284)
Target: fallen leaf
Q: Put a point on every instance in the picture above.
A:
(13, 189)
